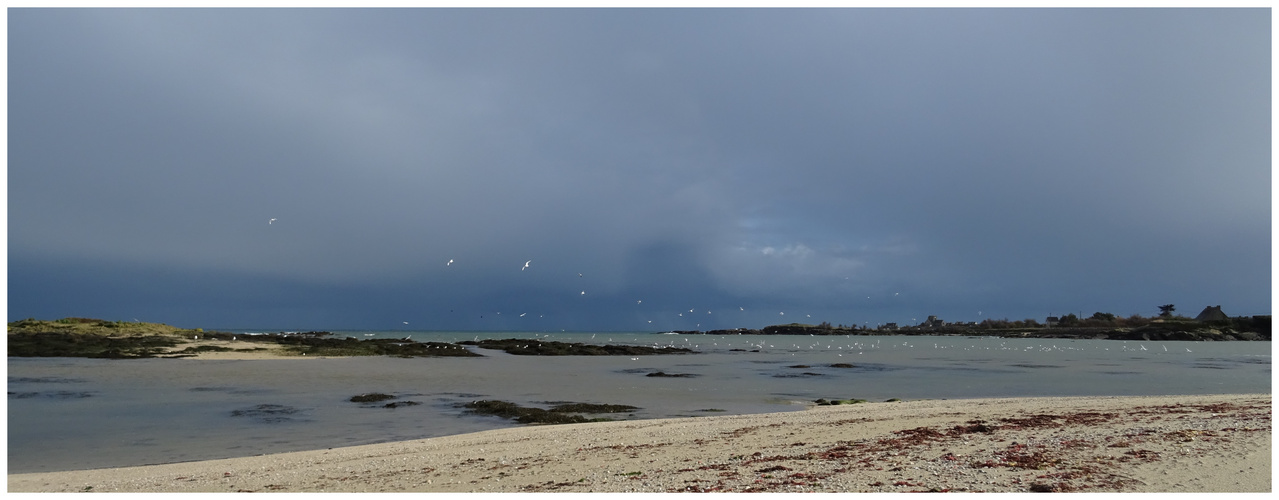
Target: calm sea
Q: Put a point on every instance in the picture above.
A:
(70, 413)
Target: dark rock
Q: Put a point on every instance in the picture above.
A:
(527, 347)
(560, 414)
(592, 408)
(269, 413)
(675, 375)
(87, 345)
(831, 402)
(371, 397)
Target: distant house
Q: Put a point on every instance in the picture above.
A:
(1052, 321)
(890, 326)
(1212, 313)
(933, 322)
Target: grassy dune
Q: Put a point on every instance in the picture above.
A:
(90, 326)
(95, 338)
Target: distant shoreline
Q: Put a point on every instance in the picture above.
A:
(1171, 331)
(93, 338)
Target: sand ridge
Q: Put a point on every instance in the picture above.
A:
(1213, 443)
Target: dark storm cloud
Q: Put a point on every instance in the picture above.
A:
(867, 165)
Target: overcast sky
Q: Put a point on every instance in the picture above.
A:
(852, 166)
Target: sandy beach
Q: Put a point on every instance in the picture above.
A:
(1213, 443)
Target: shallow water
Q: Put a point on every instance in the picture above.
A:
(68, 413)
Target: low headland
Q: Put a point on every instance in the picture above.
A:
(1100, 326)
(95, 338)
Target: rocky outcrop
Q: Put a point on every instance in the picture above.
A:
(526, 347)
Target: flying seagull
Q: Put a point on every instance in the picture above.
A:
(272, 221)
(526, 263)
(449, 263)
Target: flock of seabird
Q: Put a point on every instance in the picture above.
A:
(529, 263)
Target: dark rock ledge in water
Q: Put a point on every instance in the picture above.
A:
(377, 397)
(527, 347)
(671, 375)
(319, 346)
(373, 397)
(830, 402)
(269, 413)
(566, 413)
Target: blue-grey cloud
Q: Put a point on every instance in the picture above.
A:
(869, 165)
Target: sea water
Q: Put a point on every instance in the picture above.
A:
(72, 413)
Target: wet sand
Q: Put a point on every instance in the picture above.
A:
(1212, 443)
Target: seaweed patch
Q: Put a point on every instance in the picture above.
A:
(268, 413)
(566, 413)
